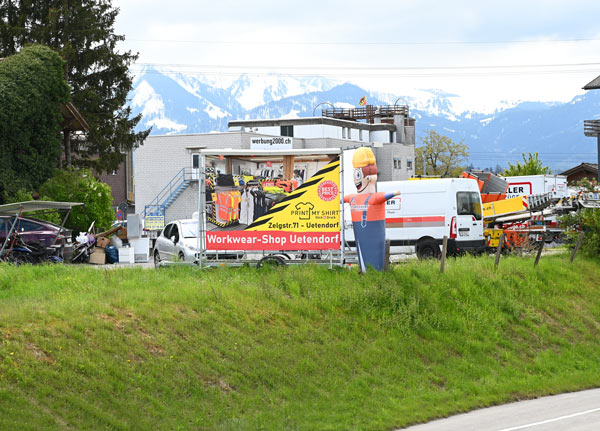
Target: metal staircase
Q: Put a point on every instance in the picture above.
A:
(165, 198)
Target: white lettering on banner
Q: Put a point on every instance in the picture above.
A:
(271, 143)
(268, 240)
(518, 189)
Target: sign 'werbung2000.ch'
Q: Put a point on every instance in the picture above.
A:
(271, 143)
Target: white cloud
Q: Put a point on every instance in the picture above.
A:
(294, 33)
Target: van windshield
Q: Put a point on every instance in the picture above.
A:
(468, 203)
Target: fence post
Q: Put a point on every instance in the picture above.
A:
(499, 249)
(539, 253)
(577, 246)
(444, 251)
(386, 264)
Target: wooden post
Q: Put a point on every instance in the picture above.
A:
(499, 249)
(288, 167)
(539, 253)
(386, 264)
(444, 251)
(577, 246)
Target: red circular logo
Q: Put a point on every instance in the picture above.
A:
(328, 190)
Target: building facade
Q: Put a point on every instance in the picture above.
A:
(166, 166)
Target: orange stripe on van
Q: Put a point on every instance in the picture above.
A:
(431, 221)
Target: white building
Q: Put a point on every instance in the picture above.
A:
(165, 165)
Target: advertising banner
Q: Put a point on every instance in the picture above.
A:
(307, 219)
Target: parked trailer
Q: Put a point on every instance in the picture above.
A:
(303, 226)
(428, 210)
(527, 185)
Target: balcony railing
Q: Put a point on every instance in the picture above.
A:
(368, 112)
(591, 127)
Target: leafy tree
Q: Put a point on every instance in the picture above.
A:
(82, 32)
(587, 185)
(442, 156)
(81, 186)
(32, 86)
(531, 165)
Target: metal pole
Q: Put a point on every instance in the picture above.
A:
(342, 219)
(579, 240)
(444, 252)
(598, 137)
(12, 228)
(201, 208)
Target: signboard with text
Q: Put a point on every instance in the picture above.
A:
(307, 219)
(271, 143)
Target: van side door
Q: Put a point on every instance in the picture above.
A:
(469, 216)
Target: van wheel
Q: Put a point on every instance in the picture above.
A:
(156, 259)
(428, 249)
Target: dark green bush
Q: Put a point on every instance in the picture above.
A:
(588, 221)
(81, 186)
(32, 87)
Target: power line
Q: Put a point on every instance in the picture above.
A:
(253, 67)
(364, 74)
(363, 43)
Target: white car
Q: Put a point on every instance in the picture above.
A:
(178, 242)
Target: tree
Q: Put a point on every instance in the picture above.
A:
(32, 86)
(531, 166)
(73, 185)
(442, 156)
(82, 32)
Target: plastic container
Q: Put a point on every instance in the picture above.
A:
(112, 254)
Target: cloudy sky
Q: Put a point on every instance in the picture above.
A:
(485, 51)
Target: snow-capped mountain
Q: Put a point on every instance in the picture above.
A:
(188, 103)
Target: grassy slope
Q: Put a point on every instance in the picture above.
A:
(301, 348)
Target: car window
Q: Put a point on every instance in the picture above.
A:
(167, 231)
(189, 229)
(468, 203)
(28, 226)
(174, 232)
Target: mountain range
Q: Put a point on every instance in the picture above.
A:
(176, 103)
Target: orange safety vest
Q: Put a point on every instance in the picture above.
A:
(371, 205)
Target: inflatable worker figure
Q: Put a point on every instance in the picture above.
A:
(368, 211)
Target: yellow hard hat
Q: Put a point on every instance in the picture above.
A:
(363, 157)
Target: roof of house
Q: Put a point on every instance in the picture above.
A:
(309, 121)
(593, 85)
(72, 118)
(592, 167)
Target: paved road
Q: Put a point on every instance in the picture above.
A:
(577, 411)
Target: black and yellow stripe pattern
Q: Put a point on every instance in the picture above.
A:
(285, 214)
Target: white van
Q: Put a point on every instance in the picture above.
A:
(428, 210)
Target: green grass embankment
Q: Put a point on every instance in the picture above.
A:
(302, 348)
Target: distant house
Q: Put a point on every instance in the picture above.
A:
(121, 183)
(579, 172)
